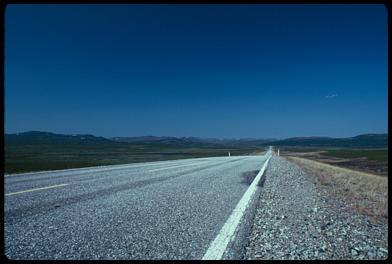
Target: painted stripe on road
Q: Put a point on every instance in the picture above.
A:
(218, 247)
(104, 168)
(37, 189)
(175, 167)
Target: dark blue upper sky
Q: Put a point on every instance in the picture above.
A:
(197, 70)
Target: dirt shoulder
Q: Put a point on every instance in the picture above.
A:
(358, 164)
(295, 220)
(364, 192)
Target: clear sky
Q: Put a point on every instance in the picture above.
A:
(226, 71)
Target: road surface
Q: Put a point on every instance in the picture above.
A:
(154, 210)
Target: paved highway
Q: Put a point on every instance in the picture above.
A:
(154, 210)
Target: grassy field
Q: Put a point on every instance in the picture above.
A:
(37, 157)
(371, 154)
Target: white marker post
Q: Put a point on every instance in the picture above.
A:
(278, 152)
(229, 153)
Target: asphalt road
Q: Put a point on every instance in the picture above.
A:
(155, 210)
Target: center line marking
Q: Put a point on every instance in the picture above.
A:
(172, 167)
(37, 189)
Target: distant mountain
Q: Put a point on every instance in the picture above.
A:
(195, 141)
(360, 141)
(139, 139)
(38, 137)
(172, 141)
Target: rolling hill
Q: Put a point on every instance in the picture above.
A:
(360, 141)
(35, 150)
(37, 137)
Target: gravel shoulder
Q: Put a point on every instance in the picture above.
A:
(296, 220)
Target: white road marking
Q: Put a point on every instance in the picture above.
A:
(37, 189)
(175, 167)
(105, 167)
(218, 247)
(83, 170)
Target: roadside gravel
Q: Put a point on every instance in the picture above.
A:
(295, 220)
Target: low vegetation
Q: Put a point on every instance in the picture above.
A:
(371, 154)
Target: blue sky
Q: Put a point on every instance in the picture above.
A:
(227, 71)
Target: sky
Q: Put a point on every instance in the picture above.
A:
(224, 71)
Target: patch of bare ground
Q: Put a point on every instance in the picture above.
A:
(364, 192)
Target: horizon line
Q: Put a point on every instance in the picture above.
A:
(210, 137)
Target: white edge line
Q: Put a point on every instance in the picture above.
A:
(218, 247)
(37, 189)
